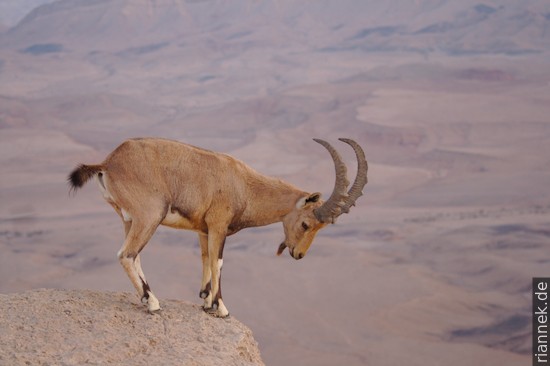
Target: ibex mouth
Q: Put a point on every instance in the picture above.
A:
(281, 249)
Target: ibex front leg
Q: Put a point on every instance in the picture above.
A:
(206, 273)
(214, 303)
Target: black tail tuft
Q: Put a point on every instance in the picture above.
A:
(81, 175)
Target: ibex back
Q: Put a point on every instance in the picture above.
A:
(151, 182)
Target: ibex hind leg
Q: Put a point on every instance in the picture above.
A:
(144, 283)
(138, 234)
(137, 262)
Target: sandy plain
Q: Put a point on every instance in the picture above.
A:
(432, 267)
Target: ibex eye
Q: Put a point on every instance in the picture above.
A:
(305, 226)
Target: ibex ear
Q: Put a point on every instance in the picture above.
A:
(314, 197)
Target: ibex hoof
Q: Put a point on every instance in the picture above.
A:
(153, 304)
(154, 311)
(218, 309)
(216, 313)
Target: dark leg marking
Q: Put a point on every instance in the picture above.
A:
(204, 293)
(146, 289)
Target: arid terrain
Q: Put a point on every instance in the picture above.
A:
(450, 100)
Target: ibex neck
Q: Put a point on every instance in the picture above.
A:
(270, 201)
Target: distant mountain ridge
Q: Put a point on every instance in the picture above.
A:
(456, 28)
(12, 11)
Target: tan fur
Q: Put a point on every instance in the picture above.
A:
(153, 181)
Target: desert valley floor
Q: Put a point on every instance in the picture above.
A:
(434, 264)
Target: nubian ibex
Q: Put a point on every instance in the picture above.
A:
(151, 182)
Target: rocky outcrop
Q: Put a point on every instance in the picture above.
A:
(77, 327)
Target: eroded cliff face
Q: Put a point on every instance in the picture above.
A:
(76, 327)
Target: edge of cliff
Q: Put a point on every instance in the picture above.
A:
(75, 327)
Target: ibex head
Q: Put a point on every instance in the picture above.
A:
(311, 213)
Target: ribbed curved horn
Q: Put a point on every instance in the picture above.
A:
(356, 189)
(332, 208)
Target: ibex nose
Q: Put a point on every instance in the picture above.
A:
(296, 255)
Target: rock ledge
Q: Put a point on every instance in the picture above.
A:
(75, 327)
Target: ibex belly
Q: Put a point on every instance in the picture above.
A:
(179, 219)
